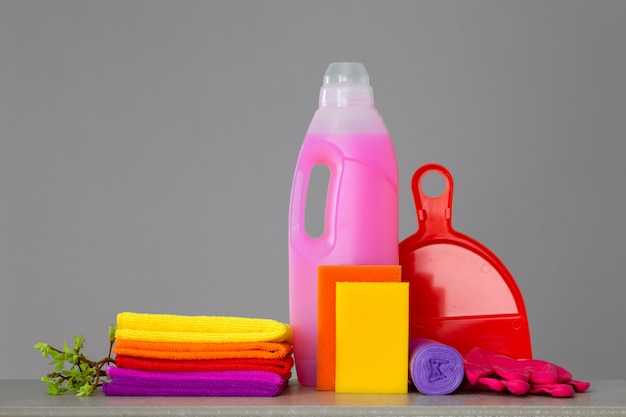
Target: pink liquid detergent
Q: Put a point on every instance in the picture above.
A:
(348, 136)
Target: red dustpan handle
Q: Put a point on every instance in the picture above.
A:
(434, 213)
(434, 218)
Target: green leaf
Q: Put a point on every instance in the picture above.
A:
(56, 356)
(53, 386)
(42, 347)
(53, 390)
(112, 331)
(72, 358)
(79, 341)
(85, 390)
(59, 366)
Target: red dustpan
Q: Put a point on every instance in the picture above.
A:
(460, 293)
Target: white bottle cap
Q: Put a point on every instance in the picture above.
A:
(346, 84)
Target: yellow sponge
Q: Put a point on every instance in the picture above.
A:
(327, 277)
(372, 331)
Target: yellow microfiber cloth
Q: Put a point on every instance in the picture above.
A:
(372, 326)
(327, 277)
(214, 329)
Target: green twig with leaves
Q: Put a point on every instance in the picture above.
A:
(73, 371)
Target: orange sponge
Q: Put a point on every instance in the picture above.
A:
(327, 277)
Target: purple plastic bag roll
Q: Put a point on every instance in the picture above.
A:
(435, 368)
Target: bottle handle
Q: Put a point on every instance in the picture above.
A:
(312, 154)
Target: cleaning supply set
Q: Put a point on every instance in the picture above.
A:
(173, 355)
(437, 312)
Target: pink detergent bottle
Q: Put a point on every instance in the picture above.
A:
(349, 137)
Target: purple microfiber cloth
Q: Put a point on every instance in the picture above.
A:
(131, 382)
(435, 368)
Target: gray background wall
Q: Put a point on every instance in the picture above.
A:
(147, 152)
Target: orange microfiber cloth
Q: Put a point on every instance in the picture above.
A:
(197, 350)
(327, 277)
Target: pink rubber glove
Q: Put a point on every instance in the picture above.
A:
(486, 370)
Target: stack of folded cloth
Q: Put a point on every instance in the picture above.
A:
(173, 355)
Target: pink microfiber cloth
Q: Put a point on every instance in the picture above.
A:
(130, 382)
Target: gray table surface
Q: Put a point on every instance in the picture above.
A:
(28, 398)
